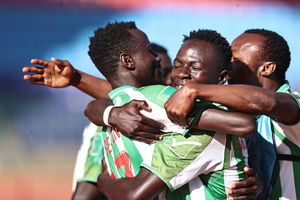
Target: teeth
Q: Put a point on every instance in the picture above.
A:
(179, 86)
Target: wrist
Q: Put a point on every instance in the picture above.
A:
(76, 77)
(191, 91)
(106, 114)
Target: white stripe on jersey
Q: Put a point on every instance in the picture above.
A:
(210, 159)
(196, 188)
(160, 114)
(290, 132)
(286, 169)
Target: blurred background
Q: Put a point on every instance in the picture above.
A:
(40, 127)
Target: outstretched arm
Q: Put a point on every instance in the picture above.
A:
(145, 185)
(60, 73)
(244, 98)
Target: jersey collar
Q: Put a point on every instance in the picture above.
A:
(285, 87)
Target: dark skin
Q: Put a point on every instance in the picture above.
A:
(246, 49)
(129, 120)
(149, 182)
(60, 74)
(257, 97)
(130, 188)
(52, 75)
(86, 190)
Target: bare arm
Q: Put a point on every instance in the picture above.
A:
(145, 185)
(244, 98)
(60, 74)
(227, 122)
(86, 190)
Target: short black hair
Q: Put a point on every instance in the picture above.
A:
(158, 48)
(109, 43)
(275, 49)
(215, 38)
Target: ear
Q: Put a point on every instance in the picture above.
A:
(224, 76)
(127, 61)
(267, 68)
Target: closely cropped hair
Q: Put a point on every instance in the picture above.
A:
(275, 49)
(158, 48)
(109, 43)
(215, 38)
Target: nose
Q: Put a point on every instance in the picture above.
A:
(184, 73)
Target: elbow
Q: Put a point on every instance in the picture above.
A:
(87, 110)
(247, 130)
(90, 113)
(262, 104)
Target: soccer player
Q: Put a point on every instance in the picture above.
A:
(260, 58)
(175, 160)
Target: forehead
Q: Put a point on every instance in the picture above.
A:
(197, 50)
(250, 42)
(140, 36)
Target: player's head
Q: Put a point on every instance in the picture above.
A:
(258, 55)
(166, 64)
(122, 53)
(203, 58)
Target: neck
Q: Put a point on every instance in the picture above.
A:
(271, 84)
(119, 82)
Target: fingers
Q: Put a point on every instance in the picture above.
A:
(37, 82)
(60, 63)
(141, 105)
(36, 70)
(155, 125)
(148, 135)
(249, 182)
(177, 119)
(243, 191)
(249, 171)
(40, 62)
(35, 77)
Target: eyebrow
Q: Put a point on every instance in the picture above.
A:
(191, 62)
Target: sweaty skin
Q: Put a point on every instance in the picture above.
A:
(42, 81)
(187, 70)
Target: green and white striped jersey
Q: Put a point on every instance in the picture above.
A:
(273, 152)
(88, 163)
(185, 159)
(285, 183)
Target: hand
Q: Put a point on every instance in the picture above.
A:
(179, 105)
(104, 174)
(56, 74)
(246, 189)
(131, 123)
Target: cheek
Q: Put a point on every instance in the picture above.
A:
(199, 77)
